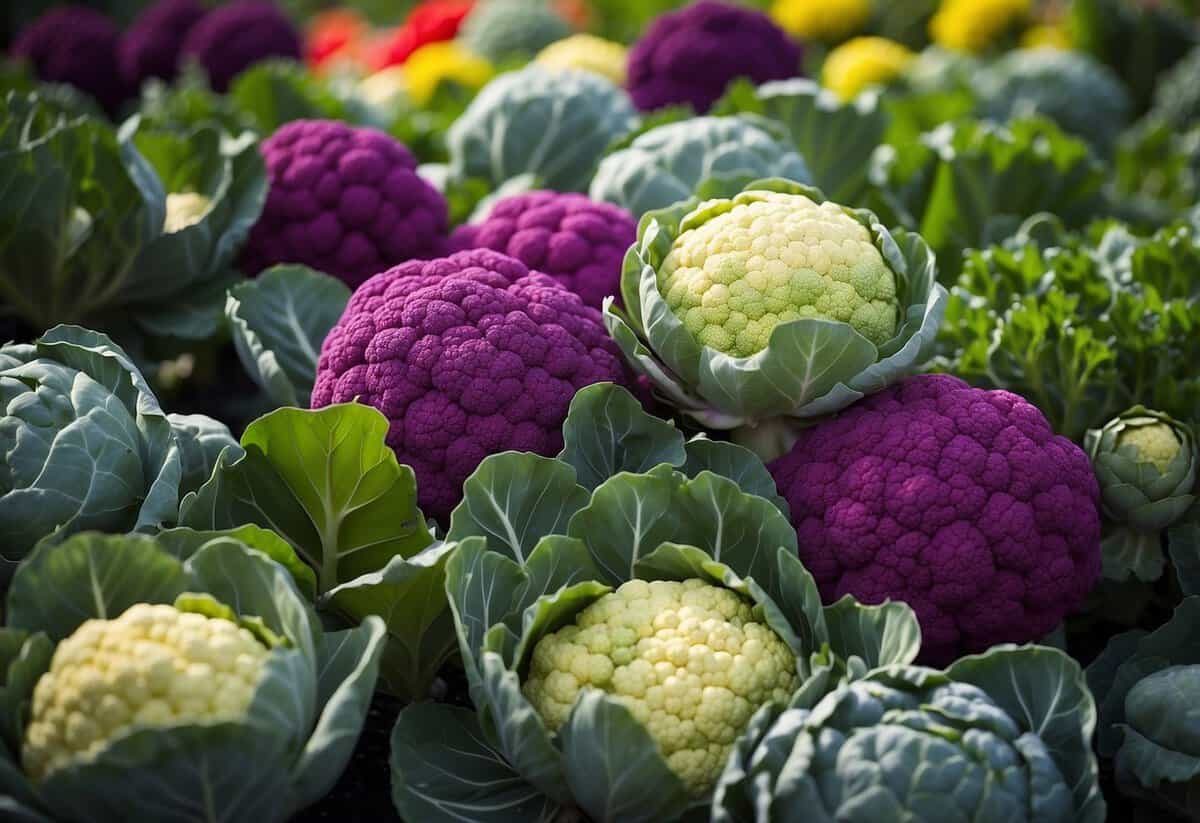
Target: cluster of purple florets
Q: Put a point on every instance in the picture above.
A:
(233, 37)
(85, 48)
(577, 241)
(691, 55)
(151, 45)
(467, 355)
(78, 46)
(346, 201)
(961, 502)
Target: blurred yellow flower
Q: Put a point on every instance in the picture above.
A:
(586, 52)
(446, 61)
(419, 77)
(1045, 36)
(863, 62)
(975, 25)
(827, 20)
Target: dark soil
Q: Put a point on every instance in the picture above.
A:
(364, 793)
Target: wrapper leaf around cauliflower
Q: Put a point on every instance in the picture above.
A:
(150, 698)
(740, 339)
(578, 242)
(689, 56)
(1002, 736)
(615, 704)
(84, 443)
(551, 124)
(672, 162)
(1147, 465)
(688, 659)
(467, 356)
(153, 666)
(345, 201)
(960, 502)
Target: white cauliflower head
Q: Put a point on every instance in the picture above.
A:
(1155, 443)
(185, 208)
(743, 266)
(689, 660)
(154, 666)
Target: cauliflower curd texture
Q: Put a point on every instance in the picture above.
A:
(689, 660)
(153, 666)
(766, 258)
(1155, 443)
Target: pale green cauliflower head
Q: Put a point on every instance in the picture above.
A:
(153, 666)
(743, 266)
(1155, 443)
(185, 208)
(689, 660)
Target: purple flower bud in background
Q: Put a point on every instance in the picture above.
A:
(691, 55)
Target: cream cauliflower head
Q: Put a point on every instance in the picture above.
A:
(1155, 443)
(154, 666)
(740, 267)
(690, 660)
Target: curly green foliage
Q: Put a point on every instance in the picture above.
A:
(1079, 93)
(1084, 328)
(1157, 169)
(971, 183)
(501, 30)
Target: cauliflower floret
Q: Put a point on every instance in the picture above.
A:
(1156, 443)
(772, 257)
(689, 660)
(153, 666)
(185, 209)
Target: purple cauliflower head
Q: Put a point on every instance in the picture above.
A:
(691, 55)
(151, 45)
(959, 501)
(235, 36)
(466, 355)
(346, 201)
(577, 241)
(78, 46)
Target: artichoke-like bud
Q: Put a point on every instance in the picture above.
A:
(1146, 463)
